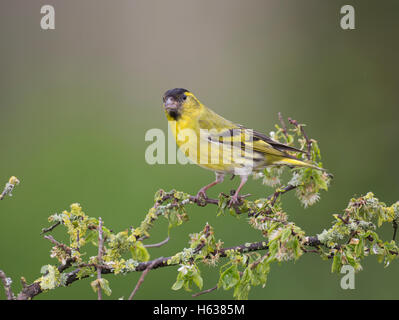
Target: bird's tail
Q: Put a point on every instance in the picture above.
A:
(297, 163)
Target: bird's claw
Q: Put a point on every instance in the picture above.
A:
(201, 194)
(234, 201)
(201, 198)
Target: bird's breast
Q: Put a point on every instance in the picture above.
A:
(210, 154)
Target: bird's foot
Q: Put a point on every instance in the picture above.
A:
(234, 200)
(200, 197)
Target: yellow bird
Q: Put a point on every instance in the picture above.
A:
(220, 145)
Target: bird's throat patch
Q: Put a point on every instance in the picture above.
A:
(174, 114)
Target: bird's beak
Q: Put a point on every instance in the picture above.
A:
(170, 104)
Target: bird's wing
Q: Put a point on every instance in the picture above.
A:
(250, 139)
(257, 136)
(221, 130)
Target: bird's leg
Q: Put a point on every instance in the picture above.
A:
(234, 198)
(202, 191)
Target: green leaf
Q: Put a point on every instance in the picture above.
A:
(336, 265)
(351, 259)
(197, 279)
(94, 285)
(241, 291)
(222, 205)
(229, 278)
(178, 284)
(359, 248)
(286, 234)
(105, 286)
(139, 252)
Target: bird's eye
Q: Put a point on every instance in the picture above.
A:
(184, 97)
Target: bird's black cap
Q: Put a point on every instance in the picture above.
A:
(176, 93)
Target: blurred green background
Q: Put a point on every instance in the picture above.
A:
(76, 102)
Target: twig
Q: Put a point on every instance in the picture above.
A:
(45, 230)
(345, 221)
(100, 256)
(157, 245)
(7, 285)
(10, 185)
(68, 263)
(203, 200)
(279, 192)
(273, 198)
(77, 241)
(395, 228)
(308, 141)
(205, 291)
(59, 244)
(283, 126)
(255, 263)
(141, 280)
(67, 250)
(207, 232)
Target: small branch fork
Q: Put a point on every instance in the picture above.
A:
(59, 244)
